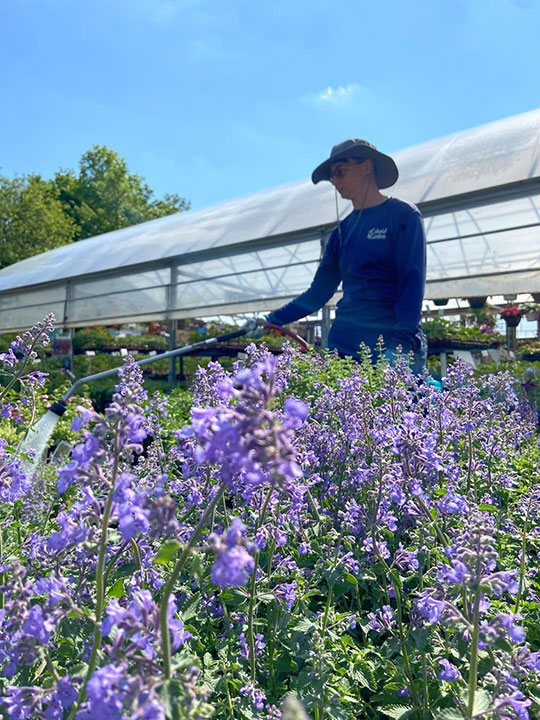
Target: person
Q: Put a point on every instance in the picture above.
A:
(378, 253)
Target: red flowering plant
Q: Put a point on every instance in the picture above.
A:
(512, 311)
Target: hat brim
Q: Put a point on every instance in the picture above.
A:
(386, 172)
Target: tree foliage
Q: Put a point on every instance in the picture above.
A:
(38, 215)
(105, 196)
(32, 219)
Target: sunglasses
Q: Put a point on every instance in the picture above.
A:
(341, 170)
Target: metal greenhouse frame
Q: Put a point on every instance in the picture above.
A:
(479, 191)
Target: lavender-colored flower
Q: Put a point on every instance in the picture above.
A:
(517, 701)
(430, 608)
(286, 593)
(382, 620)
(37, 625)
(256, 696)
(516, 633)
(232, 567)
(448, 672)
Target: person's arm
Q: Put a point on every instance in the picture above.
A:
(410, 255)
(323, 286)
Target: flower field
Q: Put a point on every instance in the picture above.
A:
(302, 537)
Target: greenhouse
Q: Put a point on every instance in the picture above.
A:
(479, 191)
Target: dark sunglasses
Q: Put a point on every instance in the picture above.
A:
(340, 170)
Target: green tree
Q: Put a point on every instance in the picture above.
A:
(104, 196)
(32, 219)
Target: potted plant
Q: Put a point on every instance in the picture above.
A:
(531, 311)
(511, 315)
(477, 303)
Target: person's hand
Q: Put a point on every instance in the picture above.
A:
(254, 327)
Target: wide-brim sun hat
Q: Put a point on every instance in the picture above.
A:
(386, 172)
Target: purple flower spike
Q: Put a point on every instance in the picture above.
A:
(232, 567)
(448, 672)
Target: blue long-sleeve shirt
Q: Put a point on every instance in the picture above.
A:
(380, 258)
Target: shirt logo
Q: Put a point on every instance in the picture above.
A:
(377, 234)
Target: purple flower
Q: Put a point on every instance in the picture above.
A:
(516, 632)
(65, 693)
(517, 701)
(232, 567)
(132, 520)
(37, 626)
(382, 620)
(256, 696)
(235, 532)
(430, 609)
(449, 672)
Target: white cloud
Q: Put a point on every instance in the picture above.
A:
(341, 96)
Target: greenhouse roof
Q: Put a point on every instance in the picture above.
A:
(479, 191)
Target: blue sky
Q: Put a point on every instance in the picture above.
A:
(214, 99)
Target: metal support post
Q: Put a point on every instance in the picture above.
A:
(325, 326)
(173, 324)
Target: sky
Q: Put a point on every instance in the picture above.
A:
(216, 99)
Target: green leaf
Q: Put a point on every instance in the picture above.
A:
(363, 674)
(482, 702)
(350, 578)
(171, 693)
(486, 506)
(116, 590)
(420, 636)
(396, 711)
(167, 552)
(449, 714)
(304, 625)
(266, 598)
(367, 576)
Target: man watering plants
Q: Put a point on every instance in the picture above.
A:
(378, 252)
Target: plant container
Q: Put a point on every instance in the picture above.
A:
(477, 303)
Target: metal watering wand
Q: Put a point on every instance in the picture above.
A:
(37, 438)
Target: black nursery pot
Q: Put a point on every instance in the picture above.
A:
(477, 303)
(512, 321)
(440, 302)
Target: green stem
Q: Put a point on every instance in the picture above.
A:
(227, 666)
(2, 578)
(425, 684)
(100, 585)
(137, 554)
(251, 610)
(112, 563)
(399, 612)
(313, 506)
(178, 567)
(473, 668)
(522, 565)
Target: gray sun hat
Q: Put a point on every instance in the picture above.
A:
(386, 172)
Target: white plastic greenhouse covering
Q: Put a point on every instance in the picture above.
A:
(479, 191)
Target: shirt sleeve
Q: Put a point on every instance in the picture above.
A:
(324, 285)
(410, 256)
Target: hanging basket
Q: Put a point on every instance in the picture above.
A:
(512, 321)
(477, 303)
(440, 302)
(532, 315)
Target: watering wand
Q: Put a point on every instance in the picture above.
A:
(251, 328)
(37, 438)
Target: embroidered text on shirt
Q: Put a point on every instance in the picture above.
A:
(377, 234)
